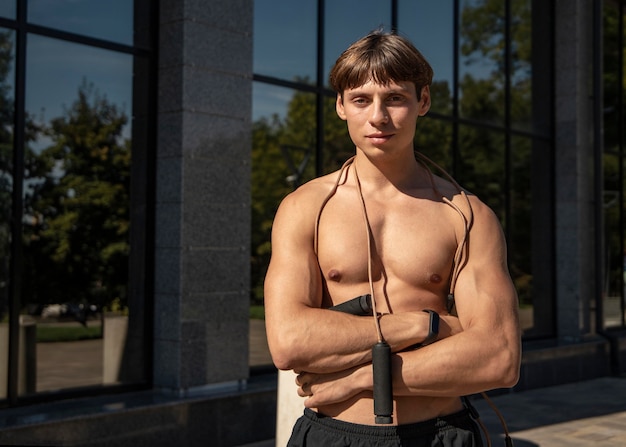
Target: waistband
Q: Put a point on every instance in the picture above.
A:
(461, 419)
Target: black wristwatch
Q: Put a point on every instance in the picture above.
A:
(433, 328)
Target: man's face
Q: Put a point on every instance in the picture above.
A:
(382, 117)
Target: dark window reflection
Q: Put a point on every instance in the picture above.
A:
(614, 256)
(7, 9)
(76, 221)
(348, 20)
(285, 42)
(481, 64)
(614, 161)
(338, 146)
(521, 64)
(482, 166)
(520, 227)
(283, 157)
(7, 64)
(433, 138)
(429, 25)
(109, 20)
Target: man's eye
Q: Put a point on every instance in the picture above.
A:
(396, 98)
(359, 100)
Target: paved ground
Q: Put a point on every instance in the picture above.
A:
(584, 414)
(79, 363)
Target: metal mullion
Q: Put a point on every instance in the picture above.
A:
(508, 68)
(598, 153)
(622, 147)
(84, 40)
(17, 205)
(319, 96)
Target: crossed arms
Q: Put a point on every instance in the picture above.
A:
(477, 351)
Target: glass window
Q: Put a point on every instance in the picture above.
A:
(347, 21)
(111, 20)
(481, 64)
(429, 25)
(614, 164)
(538, 311)
(521, 65)
(7, 9)
(481, 166)
(285, 39)
(76, 222)
(7, 51)
(283, 157)
(520, 234)
(613, 251)
(433, 138)
(338, 146)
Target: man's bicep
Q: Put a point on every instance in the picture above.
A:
(484, 292)
(293, 274)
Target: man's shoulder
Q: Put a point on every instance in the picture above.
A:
(314, 190)
(308, 198)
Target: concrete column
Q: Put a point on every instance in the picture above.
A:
(574, 167)
(203, 193)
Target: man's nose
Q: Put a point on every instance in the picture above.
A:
(378, 114)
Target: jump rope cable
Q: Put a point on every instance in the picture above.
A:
(368, 230)
(460, 258)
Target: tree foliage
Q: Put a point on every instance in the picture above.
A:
(480, 166)
(76, 231)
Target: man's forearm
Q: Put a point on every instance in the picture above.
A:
(325, 341)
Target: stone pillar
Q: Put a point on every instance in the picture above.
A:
(203, 194)
(574, 166)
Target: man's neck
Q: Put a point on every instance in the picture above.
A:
(400, 173)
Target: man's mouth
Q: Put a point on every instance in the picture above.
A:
(379, 137)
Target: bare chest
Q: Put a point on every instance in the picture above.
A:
(412, 244)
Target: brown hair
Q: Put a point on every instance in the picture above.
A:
(382, 57)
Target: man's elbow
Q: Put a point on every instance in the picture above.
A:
(508, 369)
(282, 361)
(282, 352)
(510, 377)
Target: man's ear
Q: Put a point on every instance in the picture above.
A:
(424, 100)
(339, 107)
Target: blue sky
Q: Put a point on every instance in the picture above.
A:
(55, 69)
(286, 31)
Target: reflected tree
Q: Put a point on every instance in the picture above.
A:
(77, 208)
(6, 163)
(482, 164)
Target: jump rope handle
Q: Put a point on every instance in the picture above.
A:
(381, 362)
(383, 393)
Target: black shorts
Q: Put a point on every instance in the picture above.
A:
(455, 430)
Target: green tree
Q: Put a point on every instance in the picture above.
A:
(76, 234)
(482, 164)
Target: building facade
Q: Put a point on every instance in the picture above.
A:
(145, 146)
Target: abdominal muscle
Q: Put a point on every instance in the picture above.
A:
(406, 409)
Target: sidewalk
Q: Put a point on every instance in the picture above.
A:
(591, 413)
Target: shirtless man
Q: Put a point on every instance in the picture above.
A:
(415, 224)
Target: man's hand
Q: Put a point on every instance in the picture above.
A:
(331, 388)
